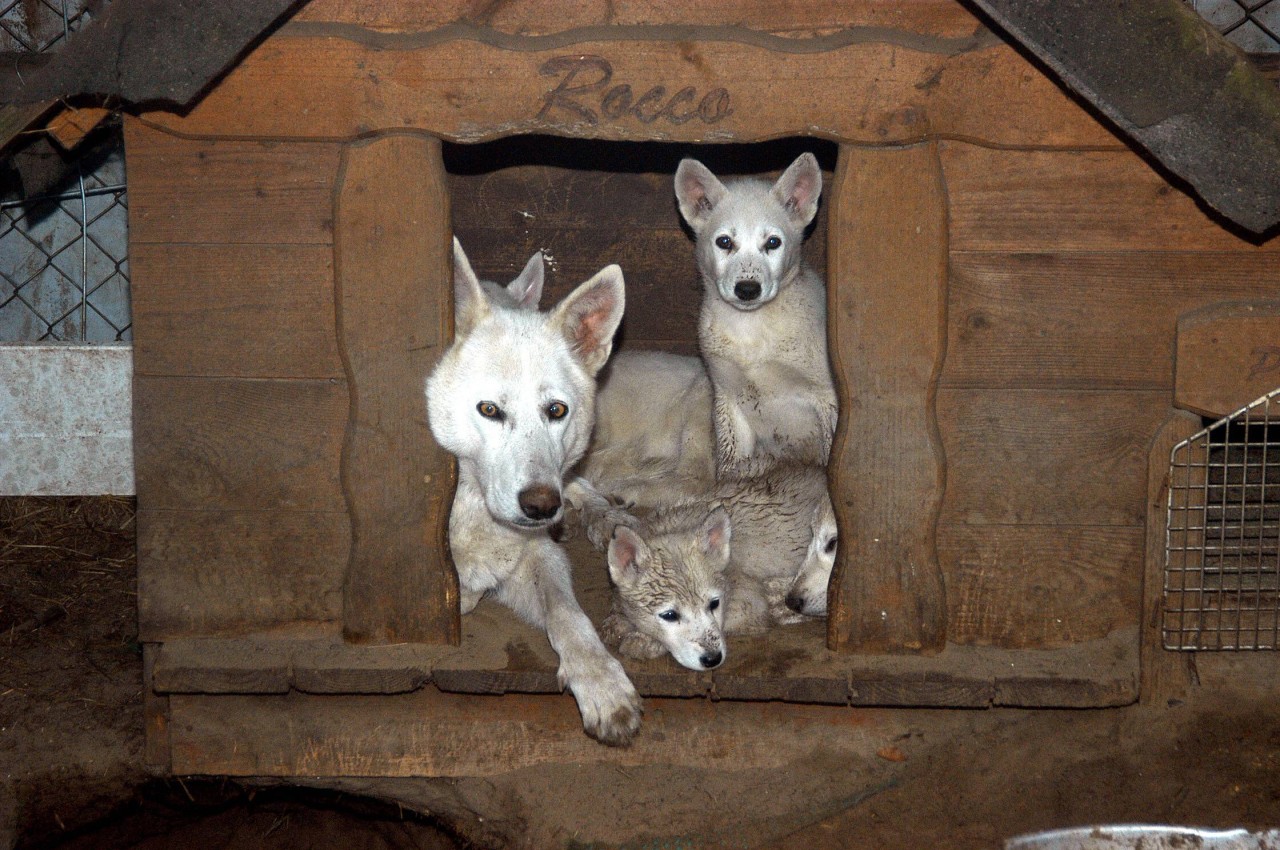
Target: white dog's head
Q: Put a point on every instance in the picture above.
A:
(749, 233)
(672, 586)
(513, 397)
(808, 592)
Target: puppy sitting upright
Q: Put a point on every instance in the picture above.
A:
(513, 398)
(763, 328)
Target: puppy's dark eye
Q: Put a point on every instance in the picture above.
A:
(670, 615)
(713, 604)
(724, 243)
(831, 546)
(557, 410)
(489, 410)
(773, 243)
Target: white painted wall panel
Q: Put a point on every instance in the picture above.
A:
(66, 423)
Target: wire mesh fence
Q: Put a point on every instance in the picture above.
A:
(64, 267)
(1222, 550)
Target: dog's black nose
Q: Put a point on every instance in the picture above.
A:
(711, 659)
(539, 501)
(795, 602)
(747, 290)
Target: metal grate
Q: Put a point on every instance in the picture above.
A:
(1253, 25)
(1222, 545)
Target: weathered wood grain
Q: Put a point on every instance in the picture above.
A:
(333, 82)
(1038, 586)
(1085, 320)
(887, 295)
(249, 311)
(393, 257)
(184, 190)
(157, 755)
(1047, 457)
(205, 573)
(1228, 355)
(212, 666)
(938, 18)
(1020, 201)
(236, 444)
(1166, 675)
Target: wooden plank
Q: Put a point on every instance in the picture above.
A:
(157, 754)
(1039, 586)
(886, 323)
(69, 127)
(1228, 355)
(211, 666)
(1014, 201)
(322, 81)
(1085, 321)
(186, 190)
(17, 118)
(203, 573)
(1047, 457)
(939, 18)
(248, 311)
(1166, 675)
(236, 444)
(393, 258)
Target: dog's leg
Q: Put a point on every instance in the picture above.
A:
(735, 441)
(619, 631)
(543, 594)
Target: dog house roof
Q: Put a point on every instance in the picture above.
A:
(1160, 74)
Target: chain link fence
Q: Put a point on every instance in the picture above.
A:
(64, 267)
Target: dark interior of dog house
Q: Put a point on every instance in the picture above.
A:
(276, 278)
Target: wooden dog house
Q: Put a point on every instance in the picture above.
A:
(1006, 276)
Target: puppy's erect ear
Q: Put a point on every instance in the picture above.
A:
(628, 554)
(589, 316)
(698, 191)
(798, 189)
(526, 289)
(714, 535)
(470, 304)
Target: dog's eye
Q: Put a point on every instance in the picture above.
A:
(489, 410)
(713, 604)
(773, 243)
(831, 546)
(724, 243)
(557, 410)
(670, 615)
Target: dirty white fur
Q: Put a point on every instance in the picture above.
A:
(653, 444)
(772, 525)
(808, 592)
(512, 398)
(762, 330)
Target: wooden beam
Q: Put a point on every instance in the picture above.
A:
(392, 265)
(1228, 356)
(887, 249)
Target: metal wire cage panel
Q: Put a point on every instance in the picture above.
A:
(1222, 545)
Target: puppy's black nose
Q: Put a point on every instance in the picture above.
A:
(747, 290)
(795, 602)
(539, 502)
(711, 659)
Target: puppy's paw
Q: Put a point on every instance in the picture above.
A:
(609, 703)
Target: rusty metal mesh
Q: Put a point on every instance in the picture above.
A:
(1222, 551)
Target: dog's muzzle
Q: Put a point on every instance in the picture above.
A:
(539, 502)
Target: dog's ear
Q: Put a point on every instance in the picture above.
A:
(470, 304)
(526, 289)
(798, 189)
(628, 554)
(698, 191)
(589, 316)
(714, 535)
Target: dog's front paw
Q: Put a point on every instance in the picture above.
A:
(638, 645)
(609, 703)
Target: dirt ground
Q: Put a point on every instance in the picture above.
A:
(71, 770)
